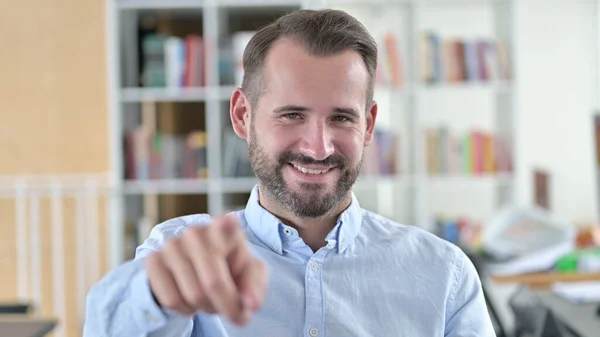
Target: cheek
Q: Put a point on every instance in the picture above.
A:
(350, 144)
(276, 139)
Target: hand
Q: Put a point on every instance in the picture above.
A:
(210, 269)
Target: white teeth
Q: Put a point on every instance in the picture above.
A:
(309, 171)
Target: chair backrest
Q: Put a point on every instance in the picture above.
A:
(25, 327)
(550, 326)
(14, 308)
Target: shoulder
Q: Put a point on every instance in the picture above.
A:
(422, 252)
(414, 242)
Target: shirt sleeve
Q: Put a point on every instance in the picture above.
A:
(467, 313)
(121, 303)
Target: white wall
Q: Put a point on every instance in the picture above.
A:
(556, 66)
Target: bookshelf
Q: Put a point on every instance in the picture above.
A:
(437, 103)
(187, 113)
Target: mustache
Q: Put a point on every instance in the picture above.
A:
(333, 160)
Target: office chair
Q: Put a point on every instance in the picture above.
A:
(14, 308)
(551, 327)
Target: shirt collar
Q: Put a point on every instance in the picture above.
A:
(269, 229)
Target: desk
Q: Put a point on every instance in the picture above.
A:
(568, 313)
(580, 318)
(25, 326)
(544, 280)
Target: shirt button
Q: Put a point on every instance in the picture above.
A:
(313, 332)
(287, 231)
(314, 266)
(276, 246)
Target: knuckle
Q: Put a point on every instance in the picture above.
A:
(214, 249)
(172, 302)
(152, 261)
(195, 234)
(172, 250)
(169, 245)
(213, 283)
(194, 295)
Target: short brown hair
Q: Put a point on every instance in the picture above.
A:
(322, 32)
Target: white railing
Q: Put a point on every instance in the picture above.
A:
(55, 205)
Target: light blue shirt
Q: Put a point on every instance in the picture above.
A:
(374, 278)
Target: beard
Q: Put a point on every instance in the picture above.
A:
(311, 200)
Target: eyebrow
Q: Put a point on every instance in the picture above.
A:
(290, 108)
(347, 111)
(299, 108)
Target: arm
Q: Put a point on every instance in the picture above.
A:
(121, 304)
(467, 313)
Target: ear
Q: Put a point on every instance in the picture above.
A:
(239, 111)
(371, 117)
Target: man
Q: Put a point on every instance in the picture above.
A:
(302, 259)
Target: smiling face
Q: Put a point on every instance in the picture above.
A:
(307, 132)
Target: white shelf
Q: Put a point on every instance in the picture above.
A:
(257, 3)
(175, 186)
(498, 86)
(196, 94)
(459, 2)
(369, 3)
(498, 178)
(236, 185)
(160, 4)
(420, 87)
(402, 90)
(231, 185)
(410, 2)
(189, 186)
(372, 182)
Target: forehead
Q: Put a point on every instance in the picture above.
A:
(290, 72)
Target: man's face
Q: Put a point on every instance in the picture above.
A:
(309, 129)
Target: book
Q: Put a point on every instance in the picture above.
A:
(456, 60)
(474, 152)
(381, 157)
(151, 155)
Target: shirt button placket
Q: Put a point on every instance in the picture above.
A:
(314, 295)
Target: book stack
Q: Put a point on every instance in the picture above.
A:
(475, 152)
(461, 231)
(156, 155)
(457, 60)
(381, 157)
(390, 71)
(173, 62)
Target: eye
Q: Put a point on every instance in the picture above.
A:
(292, 115)
(341, 118)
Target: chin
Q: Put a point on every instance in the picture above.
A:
(302, 187)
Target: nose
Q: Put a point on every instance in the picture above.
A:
(317, 141)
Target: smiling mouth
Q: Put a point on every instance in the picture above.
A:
(310, 171)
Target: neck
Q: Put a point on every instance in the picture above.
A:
(312, 230)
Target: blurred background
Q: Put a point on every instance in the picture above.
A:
(115, 118)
